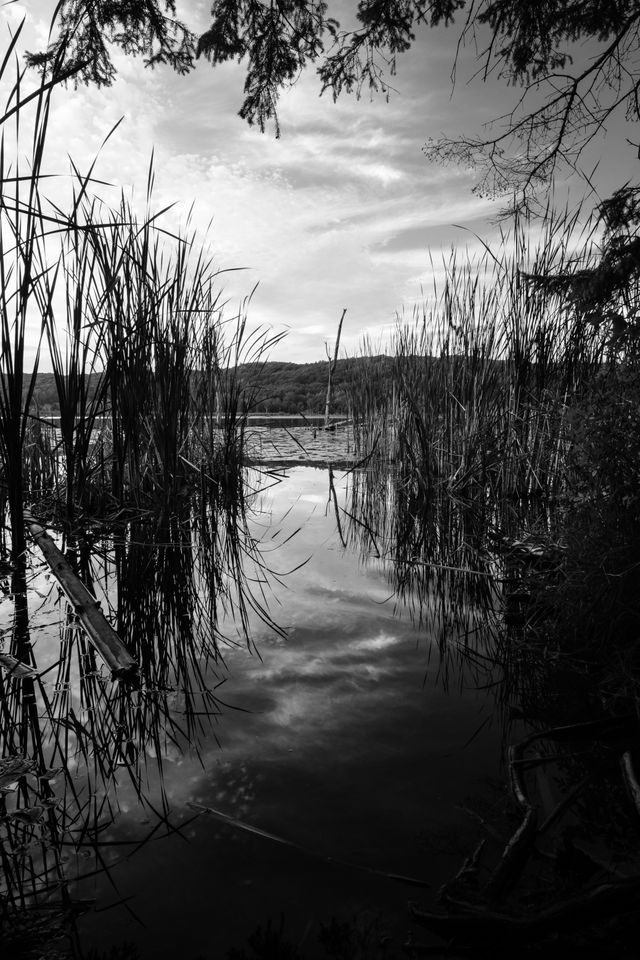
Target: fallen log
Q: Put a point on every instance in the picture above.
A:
(87, 609)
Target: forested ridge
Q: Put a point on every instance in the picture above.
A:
(278, 387)
(271, 386)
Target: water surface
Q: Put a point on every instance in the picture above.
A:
(336, 736)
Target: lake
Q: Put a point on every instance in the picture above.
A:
(335, 779)
(337, 737)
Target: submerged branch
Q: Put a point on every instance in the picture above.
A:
(607, 899)
(86, 607)
(266, 835)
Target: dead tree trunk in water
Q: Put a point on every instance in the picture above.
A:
(332, 366)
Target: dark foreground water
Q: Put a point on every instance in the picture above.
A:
(338, 738)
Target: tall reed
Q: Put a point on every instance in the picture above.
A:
(478, 382)
(148, 349)
(133, 321)
(468, 425)
(22, 268)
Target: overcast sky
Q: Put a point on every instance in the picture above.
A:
(341, 211)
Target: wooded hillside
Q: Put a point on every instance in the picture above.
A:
(273, 387)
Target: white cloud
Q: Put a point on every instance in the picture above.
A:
(340, 212)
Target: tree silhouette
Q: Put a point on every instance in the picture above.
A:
(577, 62)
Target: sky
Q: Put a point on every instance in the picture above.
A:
(342, 211)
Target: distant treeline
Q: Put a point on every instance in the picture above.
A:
(272, 387)
(302, 387)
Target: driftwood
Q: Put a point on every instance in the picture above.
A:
(516, 853)
(479, 925)
(87, 609)
(471, 925)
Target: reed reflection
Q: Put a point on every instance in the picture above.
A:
(554, 855)
(440, 561)
(72, 737)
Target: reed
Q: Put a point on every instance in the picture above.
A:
(150, 444)
(173, 586)
(480, 380)
(22, 268)
(470, 427)
(132, 319)
(147, 387)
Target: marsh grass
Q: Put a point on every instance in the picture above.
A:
(142, 478)
(22, 269)
(469, 427)
(150, 407)
(167, 585)
(504, 504)
(143, 351)
(480, 379)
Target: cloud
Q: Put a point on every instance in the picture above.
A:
(337, 213)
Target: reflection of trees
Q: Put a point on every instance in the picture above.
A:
(71, 736)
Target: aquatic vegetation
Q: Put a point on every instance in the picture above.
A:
(476, 414)
(143, 352)
(149, 406)
(482, 375)
(73, 737)
(506, 491)
(142, 480)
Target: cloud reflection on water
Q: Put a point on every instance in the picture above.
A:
(343, 744)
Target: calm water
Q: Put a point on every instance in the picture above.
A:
(338, 738)
(314, 741)
(309, 443)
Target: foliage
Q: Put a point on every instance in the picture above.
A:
(296, 388)
(145, 28)
(359, 938)
(589, 604)
(565, 102)
(562, 107)
(276, 40)
(273, 386)
(606, 292)
(604, 455)
(362, 937)
(267, 943)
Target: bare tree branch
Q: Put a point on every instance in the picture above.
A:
(561, 108)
